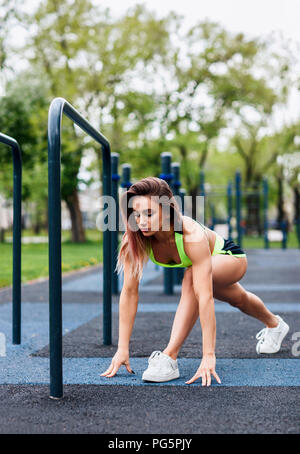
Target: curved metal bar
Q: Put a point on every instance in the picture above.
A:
(56, 110)
(17, 209)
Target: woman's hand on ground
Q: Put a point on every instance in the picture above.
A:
(206, 369)
(121, 357)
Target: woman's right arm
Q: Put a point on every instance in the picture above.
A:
(127, 311)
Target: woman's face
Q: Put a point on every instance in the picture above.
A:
(147, 213)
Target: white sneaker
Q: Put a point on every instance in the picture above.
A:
(269, 339)
(161, 368)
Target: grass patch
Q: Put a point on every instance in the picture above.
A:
(35, 259)
(258, 243)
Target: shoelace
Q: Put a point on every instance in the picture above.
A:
(261, 337)
(154, 356)
(262, 334)
(154, 360)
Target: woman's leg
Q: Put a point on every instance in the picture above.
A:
(227, 271)
(226, 288)
(186, 315)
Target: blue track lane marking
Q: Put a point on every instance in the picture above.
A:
(251, 287)
(94, 282)
(233, 372)
(90, 310)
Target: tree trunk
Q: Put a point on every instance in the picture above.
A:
(37, 228)
(78, 234)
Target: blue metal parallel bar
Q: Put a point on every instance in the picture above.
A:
(202, 192)
(238, 207)
(115, 177)
(284, 229)
(265, 212)
(182, 193)
(297, 224)
(126, 175)
(229, 209)
(17, 207)
(176, 184)
(58, 107)
(166, 175)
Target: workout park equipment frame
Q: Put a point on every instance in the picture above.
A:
(239, 194)
(58, 107)
(17, 200)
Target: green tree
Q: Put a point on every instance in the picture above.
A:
(92, 61)
(260, 155)
(222, 77)
(23, 116)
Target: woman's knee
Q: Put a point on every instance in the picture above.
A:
(233, 294)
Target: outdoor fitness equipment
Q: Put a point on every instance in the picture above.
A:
(170, 173)
(260, 196)
(115, 234)
(167, 176)
(235, 199)
(176, 184)
(57, 108)
(17, 201)
(125, 183)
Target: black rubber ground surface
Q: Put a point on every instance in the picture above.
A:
(137, 410)
(235, 337)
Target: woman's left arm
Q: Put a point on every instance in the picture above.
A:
(198, 250)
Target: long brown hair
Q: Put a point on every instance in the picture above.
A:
(134, 245)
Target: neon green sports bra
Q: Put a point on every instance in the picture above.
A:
(185, 260)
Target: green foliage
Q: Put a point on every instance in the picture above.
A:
(146, 91)
(23, 116)
(35, 259)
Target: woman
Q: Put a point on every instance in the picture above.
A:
(156, 229)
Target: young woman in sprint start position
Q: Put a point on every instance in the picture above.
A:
(213, 268)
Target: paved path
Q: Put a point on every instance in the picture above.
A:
(258, 394)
